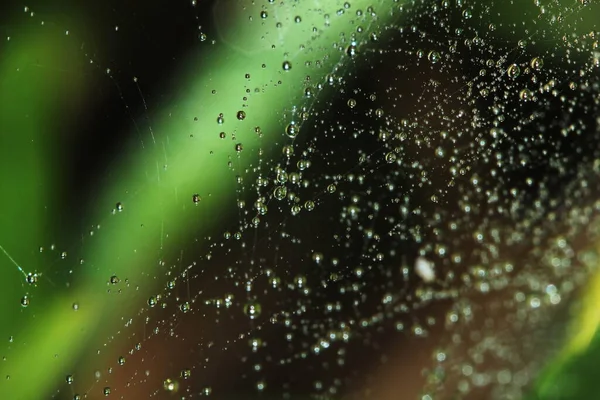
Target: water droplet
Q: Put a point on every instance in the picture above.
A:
(525, 94)
(32, 278)
(280, 192)
(434, 57)
(513, 71)
(390, 157)
(196, 198)
(241, 115)
(292, 130)
(537, 63)
(185, 307)
(170, 385)
(287, 65)
(317, 257)
(252, 310)
(288, 150)
(352, 50)
(282, 176)
(25, 301)
(425, 269)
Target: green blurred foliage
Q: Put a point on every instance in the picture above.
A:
(154, 186)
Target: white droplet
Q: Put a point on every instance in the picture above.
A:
(425, 269)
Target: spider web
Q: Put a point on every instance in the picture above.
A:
(458, 135)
